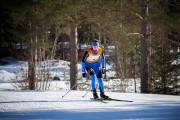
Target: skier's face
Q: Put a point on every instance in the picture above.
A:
(95, 48)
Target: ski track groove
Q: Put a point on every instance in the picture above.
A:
(52, 100)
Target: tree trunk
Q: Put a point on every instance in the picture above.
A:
(73, 56)
(144, 48)
(31, 69)
(32, 63)
(1, 38)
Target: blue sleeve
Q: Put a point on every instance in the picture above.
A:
(83, 61)
(103, 63)
(103, 60)
(83, 66)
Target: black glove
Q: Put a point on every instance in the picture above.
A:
(83, 75)
(103, 70)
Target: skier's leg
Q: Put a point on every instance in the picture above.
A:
(93, 82)
(93, 85)
(101, 85)
(100, 80)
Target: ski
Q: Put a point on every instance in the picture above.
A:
(111, 99)
(99, 100)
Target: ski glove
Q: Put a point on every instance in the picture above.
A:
(103, 70)
(83, 75)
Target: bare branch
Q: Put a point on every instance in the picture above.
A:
(136, 34)
(149, 1)
(138, 15)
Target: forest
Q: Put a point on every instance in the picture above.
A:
(141, 37)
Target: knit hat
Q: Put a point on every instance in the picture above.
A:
(95, 42)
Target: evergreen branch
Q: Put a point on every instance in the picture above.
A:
(153, 32)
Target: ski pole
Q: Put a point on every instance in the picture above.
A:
(85, 93)
(69, 90)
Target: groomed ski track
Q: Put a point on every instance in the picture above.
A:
(49, 105)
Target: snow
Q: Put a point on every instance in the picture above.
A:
(6, 76)
(49, 105)
(14, 70)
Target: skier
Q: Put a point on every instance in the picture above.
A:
(94, 63)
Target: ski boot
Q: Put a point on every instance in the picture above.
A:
(103, 96)
(95, 95)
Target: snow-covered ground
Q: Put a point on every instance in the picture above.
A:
(49, 105)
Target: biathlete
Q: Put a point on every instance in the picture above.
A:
(94, 63)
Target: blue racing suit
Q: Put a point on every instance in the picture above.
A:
(93, 62)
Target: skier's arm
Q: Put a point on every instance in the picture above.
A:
(103, 61)
(83, 61)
